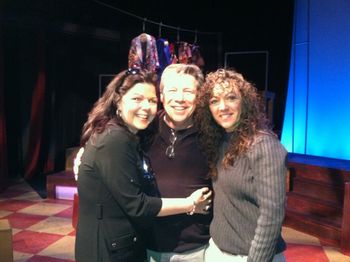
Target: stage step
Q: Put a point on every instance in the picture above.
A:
(314, 225)
(321, 190)
(62, 185)
(321, 174)
(327, 211)
(318, 202)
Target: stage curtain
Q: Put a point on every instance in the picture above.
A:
(35, 139)
(3, 142)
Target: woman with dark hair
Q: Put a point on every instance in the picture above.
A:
(114, 174)
(247, 166)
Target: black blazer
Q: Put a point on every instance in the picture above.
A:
(112, 203)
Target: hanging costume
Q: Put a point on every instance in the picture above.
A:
(143, 53)
(190, 54)
(173, 52)
(164, 54)
(185, 53)
(197, 58)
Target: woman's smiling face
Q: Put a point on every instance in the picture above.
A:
(138, 106)
(225, 106)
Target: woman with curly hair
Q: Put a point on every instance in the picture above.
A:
(247, 165)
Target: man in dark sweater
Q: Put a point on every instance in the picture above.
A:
(179, 166)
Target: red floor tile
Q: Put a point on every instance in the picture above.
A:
(73, 233)
(23, 221)
(47, 259)
(33, 242)
(15, 205)
(59, 201)
(67, 213)
(305, 253)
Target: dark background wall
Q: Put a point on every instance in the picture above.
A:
(76, 41)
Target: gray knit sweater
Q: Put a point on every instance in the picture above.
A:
(249, 201)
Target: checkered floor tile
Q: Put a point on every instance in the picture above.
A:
(42, 230)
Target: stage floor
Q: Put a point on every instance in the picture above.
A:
(42, 230)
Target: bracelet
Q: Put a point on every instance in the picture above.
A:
(193, 209)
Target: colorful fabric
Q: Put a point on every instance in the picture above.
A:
(185, 53)
(164, 54)
(143, 53)
(197, 58)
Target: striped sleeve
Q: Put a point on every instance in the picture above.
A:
(268, 161)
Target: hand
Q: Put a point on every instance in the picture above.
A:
(77, 162)
(201, 198)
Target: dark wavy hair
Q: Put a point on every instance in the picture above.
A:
(251, 121)
(104, 110)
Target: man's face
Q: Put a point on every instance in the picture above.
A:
(179, 99)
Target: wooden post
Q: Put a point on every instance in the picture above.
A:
(6, 251)
(345, 229)
(75, 211)
(287, 180)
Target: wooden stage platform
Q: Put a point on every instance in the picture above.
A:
(318, 202)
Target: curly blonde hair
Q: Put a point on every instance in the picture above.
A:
(252, 119)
